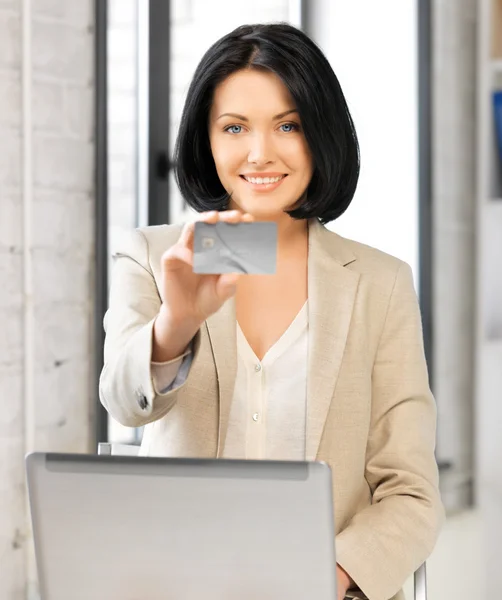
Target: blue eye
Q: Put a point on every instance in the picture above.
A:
(233, 127)
(291, 126)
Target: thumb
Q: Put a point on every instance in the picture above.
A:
(226, 286)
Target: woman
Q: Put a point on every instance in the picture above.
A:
(323, 360)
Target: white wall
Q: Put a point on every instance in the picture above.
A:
(372, 47)
(454, 278)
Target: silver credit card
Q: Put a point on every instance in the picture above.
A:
(235, 248)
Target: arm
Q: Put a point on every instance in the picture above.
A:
(389, 540)
(126, 387)
(172, 374)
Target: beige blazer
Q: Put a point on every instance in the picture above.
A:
(371, 415)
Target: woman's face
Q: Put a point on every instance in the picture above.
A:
(258, 146)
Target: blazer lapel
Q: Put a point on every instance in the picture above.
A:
(222, 334)
(332, 290)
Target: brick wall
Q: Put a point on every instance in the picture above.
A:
(46, 253)
(12, 517)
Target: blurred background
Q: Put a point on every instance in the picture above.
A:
(91, 93)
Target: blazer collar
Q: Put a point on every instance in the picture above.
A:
(324, 241)
(331, 290)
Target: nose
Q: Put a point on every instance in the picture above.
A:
(260, 150)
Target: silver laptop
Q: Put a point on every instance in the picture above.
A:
(136, 528)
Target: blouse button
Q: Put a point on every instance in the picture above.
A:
(257, 367)
(255, 417)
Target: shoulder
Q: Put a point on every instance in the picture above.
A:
(383, 279)
(381, 276)
(373, 265)
(160, 237)
(145, 245)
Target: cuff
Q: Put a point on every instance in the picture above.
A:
(164, 374)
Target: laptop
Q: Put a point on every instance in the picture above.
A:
(142, 528)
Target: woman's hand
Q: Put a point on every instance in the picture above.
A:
(343, 582)
(188, 298)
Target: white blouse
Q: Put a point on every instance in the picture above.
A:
(268, 412)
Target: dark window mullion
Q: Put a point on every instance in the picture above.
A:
(425, 190)
(159, 112)
(101, 210)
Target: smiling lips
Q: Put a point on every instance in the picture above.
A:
(264, 182)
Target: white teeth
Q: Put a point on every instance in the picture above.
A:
(263, 180)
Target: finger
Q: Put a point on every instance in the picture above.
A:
(186, 237)
(187, 233)
(176, 257)
(247, 218)
(211, 216)
(230, 216)
(226, 285)
(230, 278)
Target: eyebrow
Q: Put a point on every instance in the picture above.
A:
(242, 118)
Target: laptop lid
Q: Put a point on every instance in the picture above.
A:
(141, 528)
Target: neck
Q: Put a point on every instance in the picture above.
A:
(290, 232)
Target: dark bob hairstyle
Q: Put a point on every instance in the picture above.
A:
(326, 121)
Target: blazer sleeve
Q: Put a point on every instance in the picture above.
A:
(170, 375)
(126, 386)
(386, 542)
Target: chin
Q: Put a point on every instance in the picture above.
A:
(261, 209)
